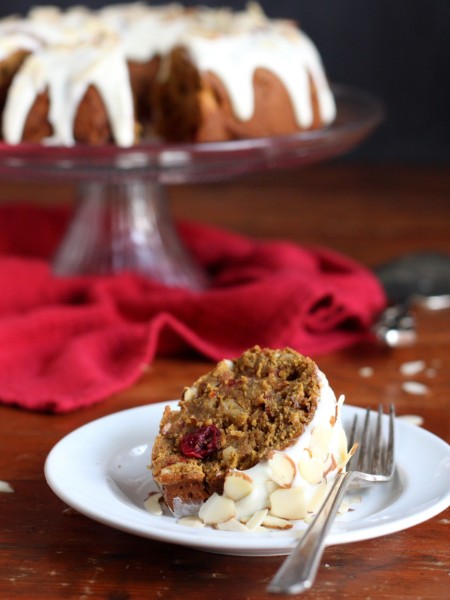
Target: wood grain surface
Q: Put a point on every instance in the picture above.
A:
(371, 213)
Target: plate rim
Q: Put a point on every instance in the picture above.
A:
(216, 541)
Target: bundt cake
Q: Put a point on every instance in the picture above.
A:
(129, 72)
(241, 75)
(259, 433)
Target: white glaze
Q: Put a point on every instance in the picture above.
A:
(66, 72)
(235, 58)
(234, 45)
(146, 31)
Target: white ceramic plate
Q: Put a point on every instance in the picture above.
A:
(101, 470)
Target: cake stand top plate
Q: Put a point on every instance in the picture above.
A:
(358, 113)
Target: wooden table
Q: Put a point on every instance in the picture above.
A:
(370, 213)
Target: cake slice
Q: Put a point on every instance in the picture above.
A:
(258, 433)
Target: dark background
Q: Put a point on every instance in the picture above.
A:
(397, 49)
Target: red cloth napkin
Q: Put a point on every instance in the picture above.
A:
(66, 343)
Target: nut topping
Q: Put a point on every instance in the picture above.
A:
(282, 469)
(237, 485)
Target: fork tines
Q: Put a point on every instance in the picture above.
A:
(373, 456)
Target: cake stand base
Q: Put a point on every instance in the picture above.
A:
(126, 226)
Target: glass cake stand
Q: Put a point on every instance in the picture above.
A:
(122, 219)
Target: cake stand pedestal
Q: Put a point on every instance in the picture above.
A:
(126, 226)
(122, 219)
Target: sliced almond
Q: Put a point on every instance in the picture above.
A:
(272, 522)
(311, 468)
(330, 465)
(257, 518)
(191, 521)
(288, 503)
(153, 503)
(344, 460)
(341, 453)
(237, 485)
(339, 404)
(282, 469)
(217, 509)
(231, 525)
(320, 441)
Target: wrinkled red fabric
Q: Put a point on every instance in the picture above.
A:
(66, 343)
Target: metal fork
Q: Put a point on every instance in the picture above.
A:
(372, 462)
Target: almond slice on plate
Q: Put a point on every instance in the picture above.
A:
(231, 525)
(217, 509)
(191, 521)
(237, 485)
(257, 518)
(153, 503)
(272, 522)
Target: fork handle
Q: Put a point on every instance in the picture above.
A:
(298, 571)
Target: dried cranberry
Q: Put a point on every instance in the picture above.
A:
(201, 443)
